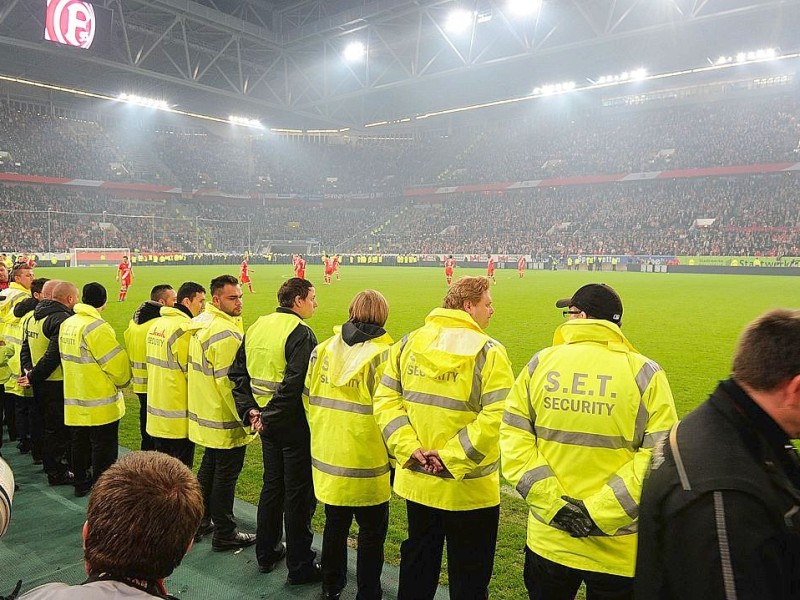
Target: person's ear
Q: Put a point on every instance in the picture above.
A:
(793, 391)
(85, 533)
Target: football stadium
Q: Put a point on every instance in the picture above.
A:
(399, 299)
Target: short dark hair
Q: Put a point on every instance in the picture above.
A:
(143, 513)
(19, 267)
(220, 282)
(38, 284)
(189, 289)
(768, 353)
(159, 292)
(291, 289)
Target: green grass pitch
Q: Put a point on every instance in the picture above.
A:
(687, 323)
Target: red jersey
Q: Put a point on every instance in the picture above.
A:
(335, 262)
(449, 264)
(244, 275)
(125, 271)
(490, 266)
(521, 263)
(328, 264)
(300, 267)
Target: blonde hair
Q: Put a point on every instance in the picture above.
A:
(466, 289)
(370, 307)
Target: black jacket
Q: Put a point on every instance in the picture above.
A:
(147, 311)
(54, 313)
(734, 533)
(284, 413)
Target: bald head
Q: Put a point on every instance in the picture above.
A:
(66, 293)
(48, 287)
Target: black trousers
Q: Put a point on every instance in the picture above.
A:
(547, 580)
(94, 447)
(218, 473)
(181, 449)
(147, 440)
(471, 539)
(29, 423)
(287, 493)
(8, 416)
(56, 438)
(373, 523)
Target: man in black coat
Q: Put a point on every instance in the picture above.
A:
(720, 510)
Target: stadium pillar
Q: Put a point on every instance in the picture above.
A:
(49, 244)
(249, 248)
(153, 231)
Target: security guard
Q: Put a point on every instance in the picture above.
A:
(167, 365)
(268, 376)
(41, 360)
(439, 406)
(95, 368)
(135, 337)
(579, 429)
(11, 333)
(349, 459)
(213, 422)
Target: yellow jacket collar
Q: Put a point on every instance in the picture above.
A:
(211, 313)
(599, 331)
(169, 311)
(86, 309)
(15, 286)
(451, 317)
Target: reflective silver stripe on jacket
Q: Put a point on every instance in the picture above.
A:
(651, 440)
(214, 424)
(436, 400)
(344, 405)
(221, 336)
(628, 530)
(139, 380)
(471, 451)
(350, 471)
(164, 364)
(90, 403)
(168, 414)
(445, 474)
(531, 477)
(494, 396)
(262, 387)
(92, 326)
(591, 440)
(518, 422)
(474, 401)
(135, 364)
(392, 383)
(209, 370)
(109, 355)
(394, 425)
(84, 360)
(623, 496)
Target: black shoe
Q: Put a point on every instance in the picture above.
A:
(82, 490)
(37, 460)
(24, 447)
(206, 528)
(270, 566)
(310, 575)
(66, 478)
(234, 542)
(332, 595)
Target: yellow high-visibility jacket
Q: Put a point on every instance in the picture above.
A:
(14, 329)
(213, 421)
(135, 337)
(444, 388)
(350, 464)
(167, 367)
(581, 421)
(95, 368)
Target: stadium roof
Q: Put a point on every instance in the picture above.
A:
(282, 61)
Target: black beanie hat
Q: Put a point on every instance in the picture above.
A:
(94, 294)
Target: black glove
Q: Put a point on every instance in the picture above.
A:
(572, 520)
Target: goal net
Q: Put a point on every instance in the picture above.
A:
(90, 257)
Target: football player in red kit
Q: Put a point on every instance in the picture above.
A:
(300, 267)
(125, 277)
(449, 265)
(490, 269)
(244, 275)
(328, 262)
(336, 260)
(521, 264)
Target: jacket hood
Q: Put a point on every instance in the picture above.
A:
(45, 308)
(448, 342)
(24, 307)
(147, 312)
(598, 331)
(207, 317)
(346, 361)
(87, 309)
(178, 309)
(355, 333)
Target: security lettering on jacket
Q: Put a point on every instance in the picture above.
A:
(95, 369)
(581, 421)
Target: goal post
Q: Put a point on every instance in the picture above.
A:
(93, 257)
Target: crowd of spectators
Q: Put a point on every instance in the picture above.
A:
(749, 216)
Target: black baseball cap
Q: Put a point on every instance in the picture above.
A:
(597, 300)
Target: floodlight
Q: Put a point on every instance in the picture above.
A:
(354, 51)
(245, 122)
(142, 101)
(459, 20)
(524, 8)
